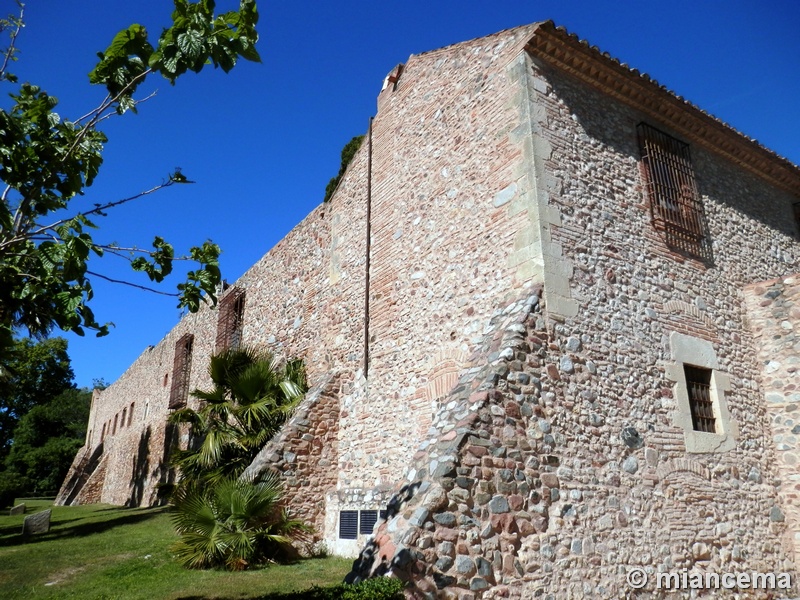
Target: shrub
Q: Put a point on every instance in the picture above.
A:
(379, 588)
(233, 523)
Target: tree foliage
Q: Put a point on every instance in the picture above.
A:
(43, 417)
(224, 519)
(47, 439)
(46, 161)
(33, 374)
(348, 152)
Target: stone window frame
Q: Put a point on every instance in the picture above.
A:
(696, 352)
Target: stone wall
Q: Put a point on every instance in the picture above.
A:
(773, 311)
(532, 484)
(305, 452)
(443, 170)
(611, 478)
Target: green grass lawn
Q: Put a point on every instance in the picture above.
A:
(102, 551)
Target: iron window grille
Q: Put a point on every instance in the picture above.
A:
(358, 522)
(348, 524)
(181, 368)
(675, 204)
(231, 320)
(698, 383)
(368, 518)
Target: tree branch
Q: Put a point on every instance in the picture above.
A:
(105, 105)
(20, 236)
(135, 285)
(13, 40)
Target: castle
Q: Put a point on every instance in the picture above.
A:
(551, 321)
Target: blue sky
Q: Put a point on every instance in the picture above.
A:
(263, 141)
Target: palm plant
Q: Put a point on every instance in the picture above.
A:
(234, 523)
(252, 397)
(225, 519)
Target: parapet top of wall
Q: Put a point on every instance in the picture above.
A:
(556, 46)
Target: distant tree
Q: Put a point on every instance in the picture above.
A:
(43, 417)
(46, 161)
(46, 440)
(33, 374)
(348, 152)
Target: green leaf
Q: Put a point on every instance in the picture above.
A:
(191, 44)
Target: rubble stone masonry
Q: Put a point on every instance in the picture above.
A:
(526, 416)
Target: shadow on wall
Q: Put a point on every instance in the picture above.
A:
(141, 465)
(364, 566)
(165, 472)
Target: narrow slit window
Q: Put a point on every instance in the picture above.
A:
(181, 369)
(675, 204)
(797, 217)
(348, 524)
(698, 383)
(130, 414)
(368, 520)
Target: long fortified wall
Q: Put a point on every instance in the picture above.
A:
(302, 299)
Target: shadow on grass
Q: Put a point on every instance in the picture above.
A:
(58, 531)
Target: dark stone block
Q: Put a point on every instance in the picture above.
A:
(443, 581)
(631, 438)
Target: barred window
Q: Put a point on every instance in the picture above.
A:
(367, 522)
(348, 524)
(231, 320)
(181, 369)
(675, 205)
(698, 382)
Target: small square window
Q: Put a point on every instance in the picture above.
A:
(368, 520)
(698, 383)
(348, 524)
